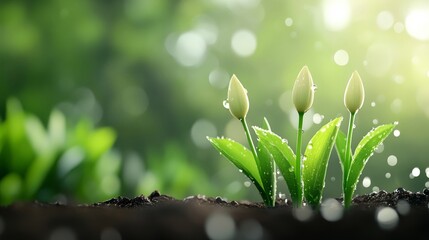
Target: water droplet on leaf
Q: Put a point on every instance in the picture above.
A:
(226, 104)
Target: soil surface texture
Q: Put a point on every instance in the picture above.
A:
(400, 214)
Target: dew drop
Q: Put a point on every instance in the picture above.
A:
(373, 104)
(247, 183)
(396, 123)
(314, 87)
(375, 121)
(332, 179)
(366, 182)
(226, 104)
(317, 118)
(240, 170)
(396, 133)
(388, 175)
(291, 169)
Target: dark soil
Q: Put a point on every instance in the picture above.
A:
(397, 215)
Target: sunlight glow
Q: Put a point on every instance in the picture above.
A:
(417, 24)
(336, 14)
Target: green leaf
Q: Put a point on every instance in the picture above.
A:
(99, 142)
(363, 152)
(267, 169)
(340, 145)
(241, 157)
(266, 124)
(267, 174)
(282, 155)
(316, 159)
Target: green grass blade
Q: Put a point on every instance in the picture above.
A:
(241, 157)
(282, 155)
(363, 152)
(268, 168)
(266, 124)
(267, 173)
(340, 146)
(316, 159)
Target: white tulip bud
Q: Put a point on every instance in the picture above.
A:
(303, 91)
(355, 94)
(237, 98)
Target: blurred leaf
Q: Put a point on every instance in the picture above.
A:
(38, 137)
(99, 142)
(10, 188)
(57, 128)
(19, 153)
(36, 173)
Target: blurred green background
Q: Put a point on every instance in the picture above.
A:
(107, 98)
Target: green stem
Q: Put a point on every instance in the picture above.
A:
(347, 163)
(249, 140)
(266, 198)
(298, 160)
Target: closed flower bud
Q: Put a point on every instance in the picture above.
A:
(237, 98)
(355, 93)
(303, 91)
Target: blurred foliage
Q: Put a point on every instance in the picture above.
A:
(171, 172)
(41, 163)
(156, 71)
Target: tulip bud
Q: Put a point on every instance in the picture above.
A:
(303, 91)
(355, 93)
(237, 98)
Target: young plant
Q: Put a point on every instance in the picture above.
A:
(353, 164)
(256, 164)
(304, 174)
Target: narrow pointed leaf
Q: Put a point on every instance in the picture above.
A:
(241, 157)
(340, 145)
(267, 174)
(316, 159)
(266, 124)
(363, 152)
(268, 169)
(282, 155)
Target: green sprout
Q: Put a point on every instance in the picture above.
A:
(353, 164)
(304, 174)
(256, 164)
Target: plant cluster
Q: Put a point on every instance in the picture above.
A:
(42, 163)
(304, 172)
